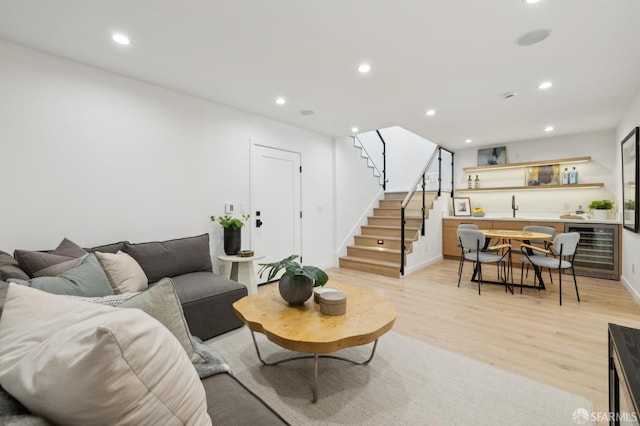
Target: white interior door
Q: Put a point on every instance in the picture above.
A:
(275, 203)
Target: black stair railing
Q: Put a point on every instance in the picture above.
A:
(422, 182)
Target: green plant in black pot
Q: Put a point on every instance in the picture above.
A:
(297, 282)
(232, 232)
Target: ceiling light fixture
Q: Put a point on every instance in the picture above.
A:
(354, 130)
(548, 129)
(281, 101)
(531, 1)
(121, 39)
(431, 112)
(364, 68)
(306, 112)
(467, 141)
(545, 85)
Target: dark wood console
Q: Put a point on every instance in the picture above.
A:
(624, 373)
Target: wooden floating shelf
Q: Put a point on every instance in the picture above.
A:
(512, 188)
(528, 164)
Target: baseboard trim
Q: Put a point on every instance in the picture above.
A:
(634, 293)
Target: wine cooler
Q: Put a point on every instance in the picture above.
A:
(598, 250)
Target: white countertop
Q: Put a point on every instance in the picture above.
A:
(532, 218)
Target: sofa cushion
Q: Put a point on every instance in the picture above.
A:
(123, 272)
(108, 248)
(50, 263)
(162, 303)
(9, 268)
(231, 403)
(173, 257)
(56, 350)
(207, 301)
(86, 279)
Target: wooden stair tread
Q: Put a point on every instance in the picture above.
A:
(382, 237)
(376, 249)
(371, 262)
(391, 227)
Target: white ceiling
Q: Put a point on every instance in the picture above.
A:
(456, 56)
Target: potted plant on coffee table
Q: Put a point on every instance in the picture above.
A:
(601, 209)
(297, 282)
(232, 232)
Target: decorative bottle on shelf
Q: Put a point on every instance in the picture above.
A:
(477, 182)
(573, 176)
(565, 176)
(469, 183)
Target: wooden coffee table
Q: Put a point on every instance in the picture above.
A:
(304, 329)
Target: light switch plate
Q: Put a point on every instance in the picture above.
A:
(228, 208)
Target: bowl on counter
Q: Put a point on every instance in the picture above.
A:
(474, 214)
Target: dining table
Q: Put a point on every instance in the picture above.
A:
(505, 236)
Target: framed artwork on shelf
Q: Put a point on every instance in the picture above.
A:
(629, 180)
(461, 206)
(492, 156)
(542, 175)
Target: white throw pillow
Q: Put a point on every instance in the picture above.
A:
(123, 272)
(78, 363)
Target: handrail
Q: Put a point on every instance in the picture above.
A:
(384, 161)
(406, 200)
(382, 173)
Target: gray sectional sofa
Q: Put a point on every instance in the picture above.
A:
(206, 300)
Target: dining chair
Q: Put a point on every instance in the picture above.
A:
(544, 243)
(471, 243)
(560, 255)
(485, 247)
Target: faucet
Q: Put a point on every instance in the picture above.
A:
(513, 205)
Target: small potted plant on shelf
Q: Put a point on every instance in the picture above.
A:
(601, 208)
(232, 232)
(297, 282)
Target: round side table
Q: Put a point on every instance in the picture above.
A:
(243, 271)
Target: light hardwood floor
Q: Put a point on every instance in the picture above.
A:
(528, 334)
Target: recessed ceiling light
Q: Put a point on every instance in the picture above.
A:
(548, 129)
(467, 141)
(364, 68)
(532, 37)
(306, 112)
(531, 1)
(281, 101)
(545, 85)
(354, 130)
(121, 39)
(431, 112)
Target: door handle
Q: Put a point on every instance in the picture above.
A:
(258, 223)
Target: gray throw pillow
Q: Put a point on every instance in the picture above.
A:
(50, 263)
(171, 258)
(9, 268)
(162, 303)
(86, 279)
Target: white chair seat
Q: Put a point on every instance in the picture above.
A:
(548, 262)
(484, 257)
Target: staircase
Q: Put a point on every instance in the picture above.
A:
(377, 249)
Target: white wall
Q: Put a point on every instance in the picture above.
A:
(630, 240)
(602, 146)
(97, 157)
(357, 193)
(407, 155)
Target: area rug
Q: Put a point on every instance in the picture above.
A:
(408, 382)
